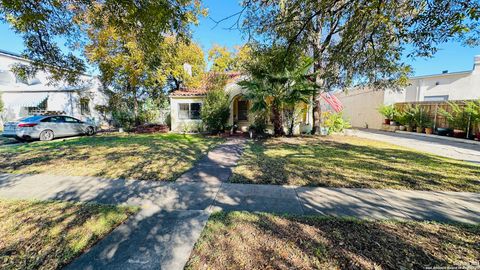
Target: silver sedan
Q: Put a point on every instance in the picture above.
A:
(47, 127)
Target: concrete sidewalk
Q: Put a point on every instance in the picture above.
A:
(173, 215)
(198, 196)
(436, 146)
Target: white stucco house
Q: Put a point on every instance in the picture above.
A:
(186, 104)
(36, 96)
(360, 105)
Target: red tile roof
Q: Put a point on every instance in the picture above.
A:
(202, 90)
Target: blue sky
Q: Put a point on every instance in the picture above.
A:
(452, 56)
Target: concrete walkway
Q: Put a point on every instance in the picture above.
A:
(172, 216)
(436, 146)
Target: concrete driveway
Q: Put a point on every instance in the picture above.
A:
(437, 146)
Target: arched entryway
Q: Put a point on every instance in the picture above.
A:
(240, 112)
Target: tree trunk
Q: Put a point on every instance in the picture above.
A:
(277, 120)
(317, 113)
(317, 67)
(135, 106)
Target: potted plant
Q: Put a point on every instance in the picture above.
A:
(400, 118)
(458, 119)
(388, 111)
(473, 110)
(409, 118)
(429, 127)
(421, 118)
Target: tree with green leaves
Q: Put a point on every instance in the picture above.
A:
(216, 106)
(225, 59)
(222, 58)
(279, 80)
(361, 42)
(178, 56)
(55, 32)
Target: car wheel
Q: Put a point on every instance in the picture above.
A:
(90, 131)
(46, 135)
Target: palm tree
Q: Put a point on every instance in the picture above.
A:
(274, 88)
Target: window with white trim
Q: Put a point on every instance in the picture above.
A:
(84, 106)
(189, 110)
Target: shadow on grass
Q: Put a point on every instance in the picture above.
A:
(255, 241)
(330, 163)
(144, 157)
(48, 235)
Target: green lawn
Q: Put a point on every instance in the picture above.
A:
(48, 235)
(130, 156)
(342, 161)
(240, 240)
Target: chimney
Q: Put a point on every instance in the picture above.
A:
(476, 63)
(187, 68)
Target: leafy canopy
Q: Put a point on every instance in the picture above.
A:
(175, 54)
(224, 59)
(362, 42)
(55, 36)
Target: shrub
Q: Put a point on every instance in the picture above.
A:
(260, 119)
(473, 110)
(388, 111)
(335, 122)
(216, 110)
(408, 116)
(192, 127)
(421, 117)
(124, 119)
(149, 112)
(458, 118)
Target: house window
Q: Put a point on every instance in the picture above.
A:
(242, 110)
(436, 98)
(84, 106)
(41, 108)
(189, 110)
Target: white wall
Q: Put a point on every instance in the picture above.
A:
(360, 107)
(179, 124)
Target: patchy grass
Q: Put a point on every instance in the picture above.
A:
(343, 161)
(240, 240)
(143, 157)
(48, 235)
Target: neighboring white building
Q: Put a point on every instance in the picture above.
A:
(37, 96)
(360, 105)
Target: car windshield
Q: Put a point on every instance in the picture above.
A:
(32, 118)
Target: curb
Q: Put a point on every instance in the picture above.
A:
(439, 137)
